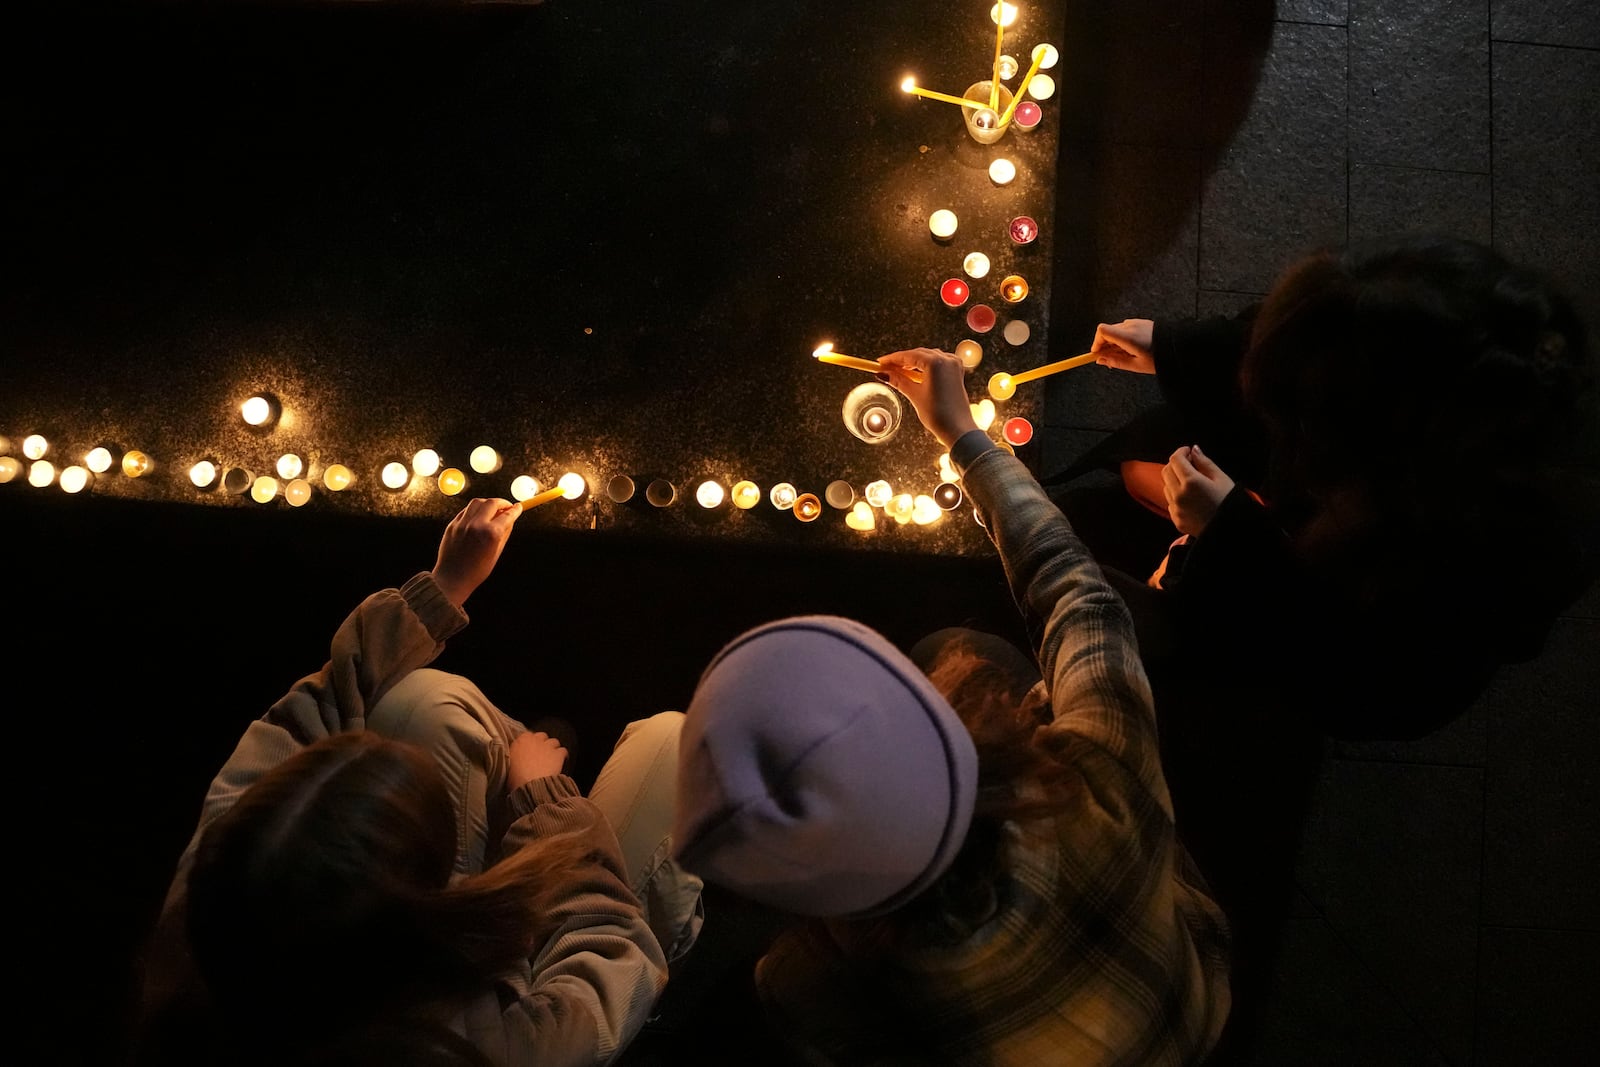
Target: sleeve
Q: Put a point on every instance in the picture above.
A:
(1080, 627)
(596, 978)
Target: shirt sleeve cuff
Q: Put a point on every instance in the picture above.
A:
(530, 795)
(968, 447)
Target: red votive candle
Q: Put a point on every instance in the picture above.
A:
(980, 318)
(1028, 115)
(954, 292)
(1018, 430)
(1023, 230)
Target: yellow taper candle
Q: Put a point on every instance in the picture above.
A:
(1002, 386)
(824, 353)
(994, 81)
(910, 85)
(1022, 87)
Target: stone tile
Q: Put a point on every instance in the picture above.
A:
(1385, 201)
(1567, 22)
(1541, 831)
(1146, 237)
(1547, 165)
(1536, 991)
(1458, 743)
(1059, 446)
(1329, 12)
(1419, 84)
(1390, 856)
(1210, 303)
(1279, 188)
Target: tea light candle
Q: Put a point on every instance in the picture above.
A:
(1001, 171)
(943, 223)
(1023, 230)
(1014, 288)
(41, 473)
(925, 510)
(861, 517)
(1007, 67)
(256, 410)
(525, 485)
(237, 480)
(878, 493)
(34, 446)
(98, 460)
(203, 474)
(954, 292)
(572, 485)
(337, 477)
(839, 494)
(710, 494)
(983, 413)
(1028, 115)
(297, 492)
(10, 467)
(452, 480)
(900, 507)
(980, 318)
(1042, 87)
(484, 460)
(746, 495)
(807, 507)
(1048, 58)
(395, 475)
(948, 496)
(1003, 14)
(74, 479)
(1017, 332)
(426, 463)
(661, 493)
(1002, 386)
(263, 489)
(976, 264)
(620, 489)
(135, 463)
(947, 470)
(970, 353)
(1017, 430)
(289, 466)
(783, 496)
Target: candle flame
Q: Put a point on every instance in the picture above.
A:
(823, 349)
(909, 85)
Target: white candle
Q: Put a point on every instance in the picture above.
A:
(878, 493)
(1008, 68)
(970, 352)
(861, 517)
(925, 510)
(10, 467)
(203, 474)
(290, 466)
(74, 479)
(942, 223)
(297, 492)
(783, 496)
(1048, 59)
(34, 446)
(976, 264)
(1017, 332)
(523, 486)
(256, 411)
(1004, 14)
(1042, 87)
(98, 460)
(485, 460)
(41, 473)
(572, 485)
(263, 489)
(1001, 171)
(337, 478)
(709, 494)
(395, 475)
(426, 463)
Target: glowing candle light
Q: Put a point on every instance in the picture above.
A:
(1046, 54)
(297, 492)
(620, 489)
(994, 81)
(1028, 115)
(947, 470)
(426, 463)
(1003, 386)
(263, 489)
(878, 493)
(807, 507)
(337, 478)
(983, 413)
(661, 493)
(1002, 170)
(908, 84)
(395, 475)
(710, 494)
(98, 460)
(954, 292)
(925, 510)
(783, 496)
(861, 517)
(74, 479)
(970, 353)
(900, 507)
(484, 460)
(980, 318)
(290, 466)
(572, 485)
(1007, 67)
(943, 223)
(1014, 287)
(135, 463)
(1028, 81)
(10, 467)
(976, 264)
(256, 411)
(203, 474)
(1003, 13)
(839, 494)
(1017, 430)
(1017, 332)
(523, 486)
(1023, 230)
(41, 473)
(237, 480)
(824, 353)
(746, 495)
(34, 446)
(1043, 87)
(948, 496)
(452, 480)
(876, 420)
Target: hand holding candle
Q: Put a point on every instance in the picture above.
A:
(939, 393)
(1003, 386)
(824, 353)
(471, 546)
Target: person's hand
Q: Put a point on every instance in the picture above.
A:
(941, 397)
(1125, 345)
(471, 545)
(533, 755)
(1195, 488)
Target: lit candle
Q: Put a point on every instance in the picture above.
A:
(983, 413)
(290, 466)
(620, 489)
(824, 353)
(523, 486)
(909, 84)
(943, 223)
(337, 477)
(1043, 87)
(74, 479)
(976, 264)
(426, 463)
(1002, 170)
(1014, 287)
(1007, 68)
(999, 38)
(746, 495)
(395, 475)
(10, 467)
(878, 493)
(1017, 430)
(970, 353)
(661, 493)
(98, 460)
(1027, 116)
(1017, 332)
(1046, 54)
(839, 494)
(925, 510)
(572, 485)
(948, 496)
(861, 517)
(237, 480)
(34, 446)
(876, 420)
(1003, 13)
(783, 496)
(203, 474)
(980, 318)
(1023, 230)
(1028, 80)
(1003, 386)
(710, 494)
(484, 460)
(947, 470)
(263, 489)
(297, 492)
(452, 480)
(41, 473)
(256, 411)
(900, 507)
(954, 292)
(553, 493)
(807, 507)
(135, 463)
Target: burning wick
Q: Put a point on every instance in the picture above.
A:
(1003, 386)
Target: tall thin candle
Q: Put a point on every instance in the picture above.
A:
(1038, 58)
(910, 85)
(824, 353)
(1002, 386)
(994, 81)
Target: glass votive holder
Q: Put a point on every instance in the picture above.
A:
(983, 123)
(620, 489)
(661, 493)
(873, 412)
